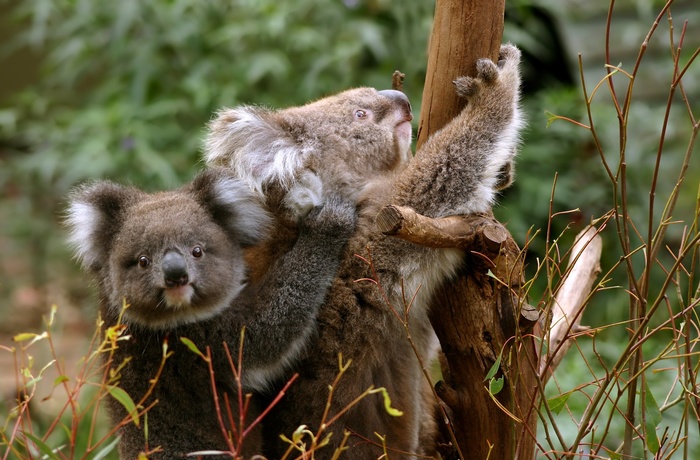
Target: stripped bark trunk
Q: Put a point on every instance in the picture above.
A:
(479, 316)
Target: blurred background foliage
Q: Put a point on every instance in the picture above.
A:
(122, 90)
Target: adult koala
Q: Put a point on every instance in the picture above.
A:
(357, 144)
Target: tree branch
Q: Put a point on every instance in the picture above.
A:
(446, 232)
(569, 302)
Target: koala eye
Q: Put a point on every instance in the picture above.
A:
(144, 261)
(197, 252)
(360, 114)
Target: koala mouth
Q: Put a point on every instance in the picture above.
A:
(404, 129)
(404, 136)
(179, 296)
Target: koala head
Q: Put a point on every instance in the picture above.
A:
(341, 142)
(174, 257)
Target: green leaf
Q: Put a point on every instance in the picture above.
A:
(125, 400)
(545, 345)
(106, 450)
(52, 315)
(297, 436)
(193, 348)
(557, 403)
(41, 445)
(496, 385)
(33, 381)
(60, 379)
(653, 418)
(492, 372)
(613, 455)
(550, 117)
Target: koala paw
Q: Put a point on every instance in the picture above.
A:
(509, 56)
(337, 216)
(489, 74)
(506, 176)
(305, 195)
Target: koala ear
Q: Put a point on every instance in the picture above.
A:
(93, 218)
(252, 143)
(233, 204)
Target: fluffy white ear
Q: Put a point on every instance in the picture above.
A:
(233, 204)
(250, 142)
(93, 218)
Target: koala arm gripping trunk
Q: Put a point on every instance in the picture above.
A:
(460, 168)
(293, 290)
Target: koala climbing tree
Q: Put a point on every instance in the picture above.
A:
(356, 144)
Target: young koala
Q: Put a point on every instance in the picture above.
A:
(177, 259)
(357, 144)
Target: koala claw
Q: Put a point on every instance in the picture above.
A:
(466, 86)
(305, 194)
(486, 70)
(508, 54)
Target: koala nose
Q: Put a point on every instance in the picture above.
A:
(398, 98)
(174, 269)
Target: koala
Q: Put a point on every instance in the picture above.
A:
(357, 144)
(176, 258)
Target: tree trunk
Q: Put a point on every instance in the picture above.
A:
(463, 31)
(479, 317)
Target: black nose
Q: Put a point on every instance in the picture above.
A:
(398, 98)
(174, 269)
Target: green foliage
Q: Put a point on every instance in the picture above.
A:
(128, 86)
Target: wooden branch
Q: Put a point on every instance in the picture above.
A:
(476, 232)
(569, 302)
(447, 232)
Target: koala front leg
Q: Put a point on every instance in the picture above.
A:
(461, 167)
(289, 297)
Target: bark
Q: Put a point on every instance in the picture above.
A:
(463, 31)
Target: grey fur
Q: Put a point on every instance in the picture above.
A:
(112, 227)
(458, 171)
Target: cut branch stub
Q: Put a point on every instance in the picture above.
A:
(397, 80)
(462, 232)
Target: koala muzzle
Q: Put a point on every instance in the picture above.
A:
(174, 269)
(398, 98)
